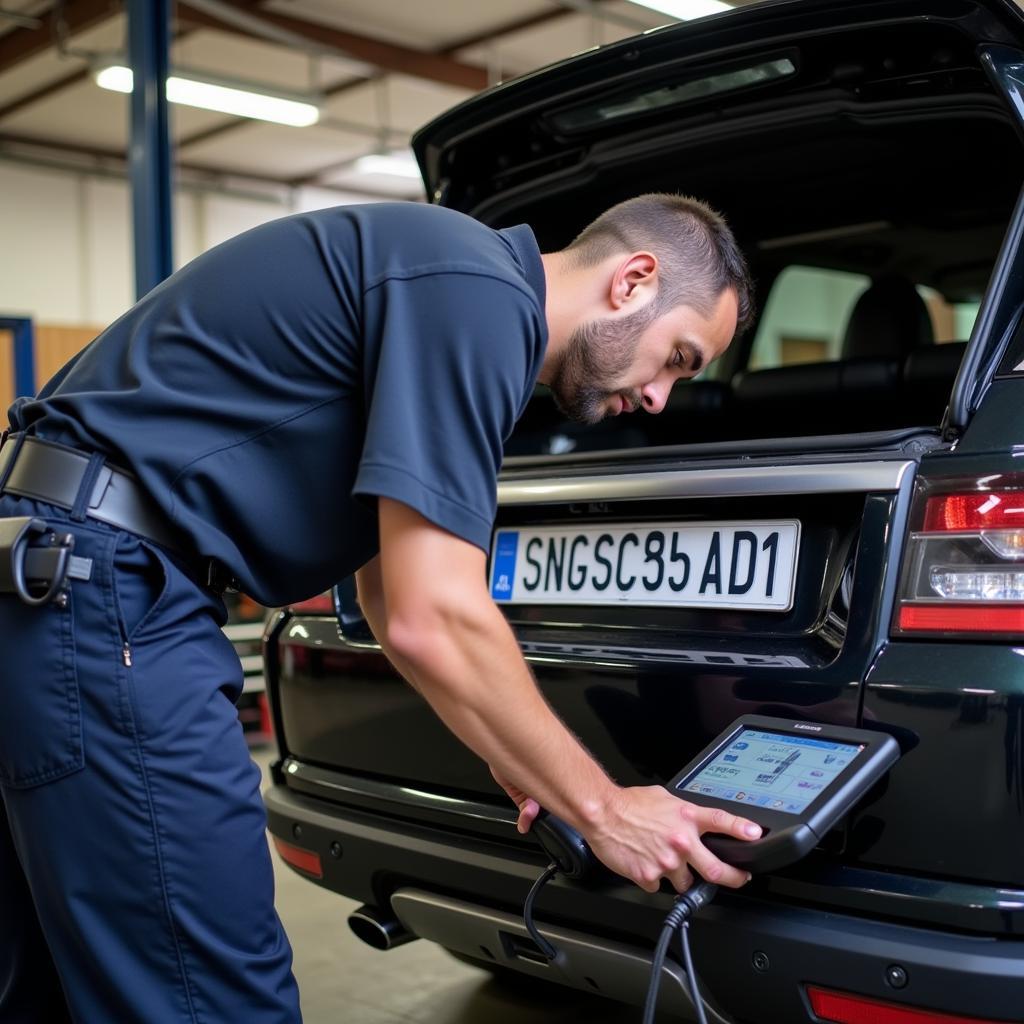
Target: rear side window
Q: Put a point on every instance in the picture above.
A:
(808, 308)
(805, 317)
(951, 321)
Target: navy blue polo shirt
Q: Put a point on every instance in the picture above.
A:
(269, 391)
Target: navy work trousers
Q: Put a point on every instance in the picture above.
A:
(135, 877)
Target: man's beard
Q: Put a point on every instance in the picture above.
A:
(598, 353)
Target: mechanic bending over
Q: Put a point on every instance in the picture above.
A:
(348, 375)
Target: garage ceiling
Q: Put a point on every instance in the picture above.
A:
(382, 68)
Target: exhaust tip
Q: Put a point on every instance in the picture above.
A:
(378, 928)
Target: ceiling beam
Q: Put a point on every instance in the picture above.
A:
(57, 85)
(80, 14)
(23, 43)
(22, 20)
(555, 13)
(506, 28)
(119, 157)
(386, 56)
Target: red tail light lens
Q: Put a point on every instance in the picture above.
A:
(841, 1008)
(963, 569)
(982, 510)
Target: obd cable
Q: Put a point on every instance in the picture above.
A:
(689, 903)
(572, 857)
(542, 944)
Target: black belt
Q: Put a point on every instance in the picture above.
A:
(32, 467)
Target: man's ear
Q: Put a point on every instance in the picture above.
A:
(634, 276)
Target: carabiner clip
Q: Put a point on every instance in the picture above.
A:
(34, 552)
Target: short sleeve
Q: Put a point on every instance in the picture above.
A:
(449, 361)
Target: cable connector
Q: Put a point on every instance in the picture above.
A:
(698, 896)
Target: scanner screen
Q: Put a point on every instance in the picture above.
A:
(774, 770)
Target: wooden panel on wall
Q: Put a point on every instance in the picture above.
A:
(56, 345)
(6, 375)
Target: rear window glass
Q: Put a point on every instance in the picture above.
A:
(592, 114)
(808, 308)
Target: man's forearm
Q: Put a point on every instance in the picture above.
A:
(474, 677)
(373, 612)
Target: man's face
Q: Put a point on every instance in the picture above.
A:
(618, 364)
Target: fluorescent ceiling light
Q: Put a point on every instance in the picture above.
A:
(686, 10)
(398, 164)
(193, 92)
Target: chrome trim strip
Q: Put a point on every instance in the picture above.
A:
(738, 482)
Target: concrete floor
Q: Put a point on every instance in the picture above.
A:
(343, 980)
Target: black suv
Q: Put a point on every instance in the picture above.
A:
(869, 155)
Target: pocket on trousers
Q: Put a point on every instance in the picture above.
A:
(40, 709)
(140, 583)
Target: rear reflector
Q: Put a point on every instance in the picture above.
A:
(304, 860)
(840, 1008)
(961, 618)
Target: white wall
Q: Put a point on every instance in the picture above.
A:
(40, 245)
(65, 238)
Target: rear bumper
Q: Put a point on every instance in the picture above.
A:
(755, 956)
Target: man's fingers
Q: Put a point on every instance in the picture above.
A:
(714, 819)
(528, 811)
(528, 807)
(713, 870)
(681, 879)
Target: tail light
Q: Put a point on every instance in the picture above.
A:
(963, 568)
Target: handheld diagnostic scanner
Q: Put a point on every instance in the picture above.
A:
(795, 779)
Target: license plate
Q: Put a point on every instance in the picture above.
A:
(707, 565)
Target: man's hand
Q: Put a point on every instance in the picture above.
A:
(655, 835)
(649, 834)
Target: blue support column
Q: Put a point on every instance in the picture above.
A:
(148, 41)
(24, 354)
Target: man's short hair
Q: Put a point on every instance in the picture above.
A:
(697, 254)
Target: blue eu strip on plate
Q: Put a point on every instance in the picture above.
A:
(503, 571)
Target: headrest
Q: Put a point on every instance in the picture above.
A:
(889, 319)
